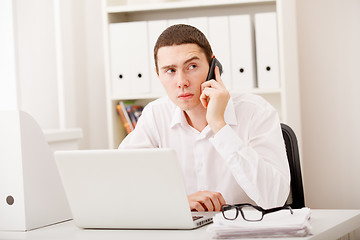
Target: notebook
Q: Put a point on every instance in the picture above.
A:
(127, 189)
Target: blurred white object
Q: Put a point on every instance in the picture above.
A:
(31, 192)
(63, 139)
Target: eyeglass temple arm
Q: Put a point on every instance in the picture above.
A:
(277, 209)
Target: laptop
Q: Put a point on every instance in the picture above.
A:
(127, 189)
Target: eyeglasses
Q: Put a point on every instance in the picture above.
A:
(248, 212)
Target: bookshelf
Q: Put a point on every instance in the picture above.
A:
(285, 97)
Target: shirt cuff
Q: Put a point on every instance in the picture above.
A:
(226, 142)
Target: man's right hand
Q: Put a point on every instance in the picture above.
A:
(214, 98)
(203, 201)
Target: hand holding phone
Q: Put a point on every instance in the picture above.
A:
(214, 98)
(211, 74)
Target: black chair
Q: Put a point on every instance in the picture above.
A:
(296, 197)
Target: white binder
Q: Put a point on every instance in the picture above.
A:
(155, 28)
(31, 192)
(129, 59)
(267, 55)
(242, 53)
(120, 74)
(177, 21)
(219, 39)
(200, 23)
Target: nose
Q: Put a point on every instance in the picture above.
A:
(182, 80)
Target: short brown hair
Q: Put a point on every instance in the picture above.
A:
(182, 34)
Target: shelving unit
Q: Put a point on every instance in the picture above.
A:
(285, 99)
(117, 7)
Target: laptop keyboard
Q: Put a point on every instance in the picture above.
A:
(196, 217)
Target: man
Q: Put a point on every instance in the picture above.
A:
(230, 147)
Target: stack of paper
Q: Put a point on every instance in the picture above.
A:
(276, 224)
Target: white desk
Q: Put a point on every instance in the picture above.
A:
(327, 225)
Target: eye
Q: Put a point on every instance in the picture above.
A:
(170, 70)
(192, 66)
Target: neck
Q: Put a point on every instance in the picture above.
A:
(197, 117)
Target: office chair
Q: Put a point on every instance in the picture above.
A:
(296, 196)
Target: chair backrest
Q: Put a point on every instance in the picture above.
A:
(296, 197)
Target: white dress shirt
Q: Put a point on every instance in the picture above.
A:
(245, 161)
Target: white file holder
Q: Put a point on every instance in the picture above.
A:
(242, 53)
(31, 193)
(129, 59)
(219, 39)
(267, 55)
(200, 23)
(155, 28)
(178, 21)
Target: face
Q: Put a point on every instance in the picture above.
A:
(182, 69)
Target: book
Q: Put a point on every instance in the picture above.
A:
(129, 114)
(120, 107)
(129, 110)
(137, 110)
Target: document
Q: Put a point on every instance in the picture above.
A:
(276, 224)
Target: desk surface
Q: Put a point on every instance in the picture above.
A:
(326, 224)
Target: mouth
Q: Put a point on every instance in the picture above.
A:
(185, 96)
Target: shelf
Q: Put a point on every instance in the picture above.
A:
(138, 96)
(266, 91)
(155, 96)
(283, 98)
(179, 5)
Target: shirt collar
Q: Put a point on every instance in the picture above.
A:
(179, 116)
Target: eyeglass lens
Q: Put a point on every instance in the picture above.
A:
(230, 213)
(249, 213)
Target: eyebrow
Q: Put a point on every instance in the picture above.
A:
(187, 61)
(192, 59)
(168, 66)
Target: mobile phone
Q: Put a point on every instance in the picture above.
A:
(211, 74)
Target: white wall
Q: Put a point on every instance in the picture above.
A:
(83, 70)
(28, 65)
(51, 65)
(95, 76)
(36, 60)
(29, 68)
(329, 57)
(8, 81)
